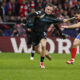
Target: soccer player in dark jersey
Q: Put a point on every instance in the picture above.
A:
(76, 41)
(43, 19)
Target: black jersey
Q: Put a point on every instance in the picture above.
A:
(43, 21)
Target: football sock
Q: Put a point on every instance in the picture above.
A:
(32, 53)
(42, 59)
(73, 52)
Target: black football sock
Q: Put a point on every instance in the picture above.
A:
(32, 54)
(33, 51)
(42, 59)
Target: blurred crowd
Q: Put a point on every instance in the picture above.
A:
(12, 11)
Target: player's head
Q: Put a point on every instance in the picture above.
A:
(77, 15)
(49, 9)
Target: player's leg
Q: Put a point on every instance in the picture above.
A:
(48, 56)
(32, 53)
(43, 45)
(41, 49)
(29, 43)
(74, 49)
(38, 49)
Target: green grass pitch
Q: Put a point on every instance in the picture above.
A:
(19, 67)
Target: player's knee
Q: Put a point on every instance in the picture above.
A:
(44, 47)
(37, 49)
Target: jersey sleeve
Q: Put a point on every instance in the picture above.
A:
(59, 31)
(35, 14)
(56, 20)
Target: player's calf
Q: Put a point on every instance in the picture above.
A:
(41, 63)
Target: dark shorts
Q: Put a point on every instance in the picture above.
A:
(36, 37)
(29, 38)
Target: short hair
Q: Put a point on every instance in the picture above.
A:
(50, 4)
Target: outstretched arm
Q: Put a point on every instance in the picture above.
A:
(72, 26)
(69, 19)
(57, 20)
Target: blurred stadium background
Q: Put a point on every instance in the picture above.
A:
(13, 14)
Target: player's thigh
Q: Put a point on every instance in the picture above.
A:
(76, 42)
(37, 47)
(43, 42)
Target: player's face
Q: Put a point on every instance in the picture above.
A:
(77, 16)
(49, 10)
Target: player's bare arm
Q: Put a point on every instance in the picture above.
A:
(73, 26)
(69, 19)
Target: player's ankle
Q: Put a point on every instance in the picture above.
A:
(42, 65)
(73, 59)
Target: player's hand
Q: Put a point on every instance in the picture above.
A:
(65, 20)
(29, 30)
(65, 26)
